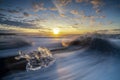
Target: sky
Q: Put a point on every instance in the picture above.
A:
(69, 16)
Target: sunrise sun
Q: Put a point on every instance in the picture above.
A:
(56, 31)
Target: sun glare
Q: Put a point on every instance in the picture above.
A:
(56, 31)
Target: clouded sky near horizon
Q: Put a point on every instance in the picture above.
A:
(67, 15)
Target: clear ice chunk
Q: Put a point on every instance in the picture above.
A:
(37, 59)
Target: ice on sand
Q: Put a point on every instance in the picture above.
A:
(37, 59)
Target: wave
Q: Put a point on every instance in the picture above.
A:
(78, 41)
(94, 44)
(103, 45)
(11, 43)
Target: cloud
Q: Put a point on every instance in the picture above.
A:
(13, 11)
(79, 1)
(96, 3)
(53, 9)
(97, 11)
(60, 8)
(102, 31)
(26, 14)
(117, 31)
(110, 22)
(1, 15)
(1, 9)
(102, 17)
(92, 22)
(75, 12)
(63, 2)
(15, 23)
(37, 6)
(62, 15)
(7, 28)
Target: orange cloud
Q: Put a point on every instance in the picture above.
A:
(96, 3)
(74, 12)
(38, 6)
(53, 9)
(62, 15)
(79, 1)
(63, 2)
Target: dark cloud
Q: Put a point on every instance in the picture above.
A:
(8, 31)
(26, 14)
(9, 10)
(15, 23)
(1, 15)
(109, 31)
(13, 11)
(1, 9)
(102, 31)
(116, 29)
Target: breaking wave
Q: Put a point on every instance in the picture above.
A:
(78, 41)
(103, 45)
(94, 44)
